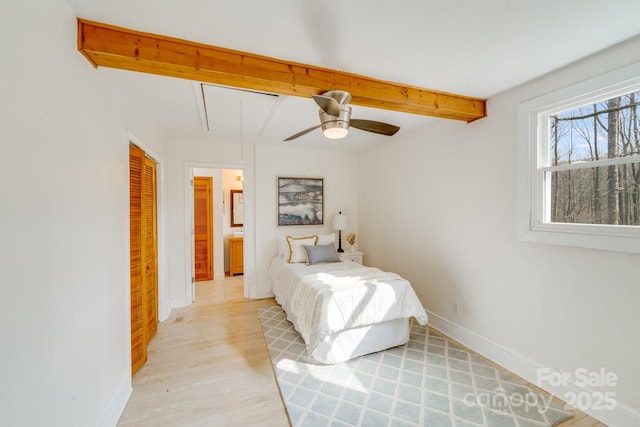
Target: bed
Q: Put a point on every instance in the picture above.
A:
(340, 308)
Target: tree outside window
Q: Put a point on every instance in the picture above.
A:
(594, 163)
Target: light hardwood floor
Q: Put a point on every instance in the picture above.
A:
(208, 365)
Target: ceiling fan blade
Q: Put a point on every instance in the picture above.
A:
(375, 127)
(328, 104)
(302, 133)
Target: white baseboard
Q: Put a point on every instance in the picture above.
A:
(164, 315)
(176, 302)
(118, 402)
(259, 293)
(620, 416)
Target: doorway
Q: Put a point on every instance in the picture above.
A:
(223, 227)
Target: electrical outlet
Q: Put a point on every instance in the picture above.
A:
(456, 308)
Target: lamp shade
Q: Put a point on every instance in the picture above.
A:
(340, 221)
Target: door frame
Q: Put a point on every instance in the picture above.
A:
(249, 244)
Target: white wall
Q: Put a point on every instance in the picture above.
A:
(339, 170)
(261, 165)
(444, 214)
(64, 315)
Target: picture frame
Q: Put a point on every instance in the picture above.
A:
(300, 201)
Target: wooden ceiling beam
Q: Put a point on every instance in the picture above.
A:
(109, 46)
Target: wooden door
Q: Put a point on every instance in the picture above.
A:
(150, 210)
(138, 314)
(143, 240)
(203, 227)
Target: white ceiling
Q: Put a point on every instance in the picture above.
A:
(473, 48)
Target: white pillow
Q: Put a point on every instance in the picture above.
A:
(325, 239)
(298, 254)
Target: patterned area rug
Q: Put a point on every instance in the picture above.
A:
(430, 381)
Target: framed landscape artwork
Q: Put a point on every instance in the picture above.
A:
(300, 201)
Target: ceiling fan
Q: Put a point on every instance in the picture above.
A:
(335, 118)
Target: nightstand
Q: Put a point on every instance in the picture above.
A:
(352, 256)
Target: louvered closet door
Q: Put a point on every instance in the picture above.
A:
(144, 249)
(138, 315)
(150, 248)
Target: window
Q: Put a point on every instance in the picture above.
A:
(579, 164)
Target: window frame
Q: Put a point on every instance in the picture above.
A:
(533, 135)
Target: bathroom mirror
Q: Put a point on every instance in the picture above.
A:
(237, 208)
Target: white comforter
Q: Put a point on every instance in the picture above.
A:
(322, 299)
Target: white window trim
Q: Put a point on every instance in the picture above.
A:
(531, 123)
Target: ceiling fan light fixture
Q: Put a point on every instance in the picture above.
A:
(335, 130)
(335, 118)
(336, 127)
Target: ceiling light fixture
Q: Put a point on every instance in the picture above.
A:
(335, 127)
(334, 132)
